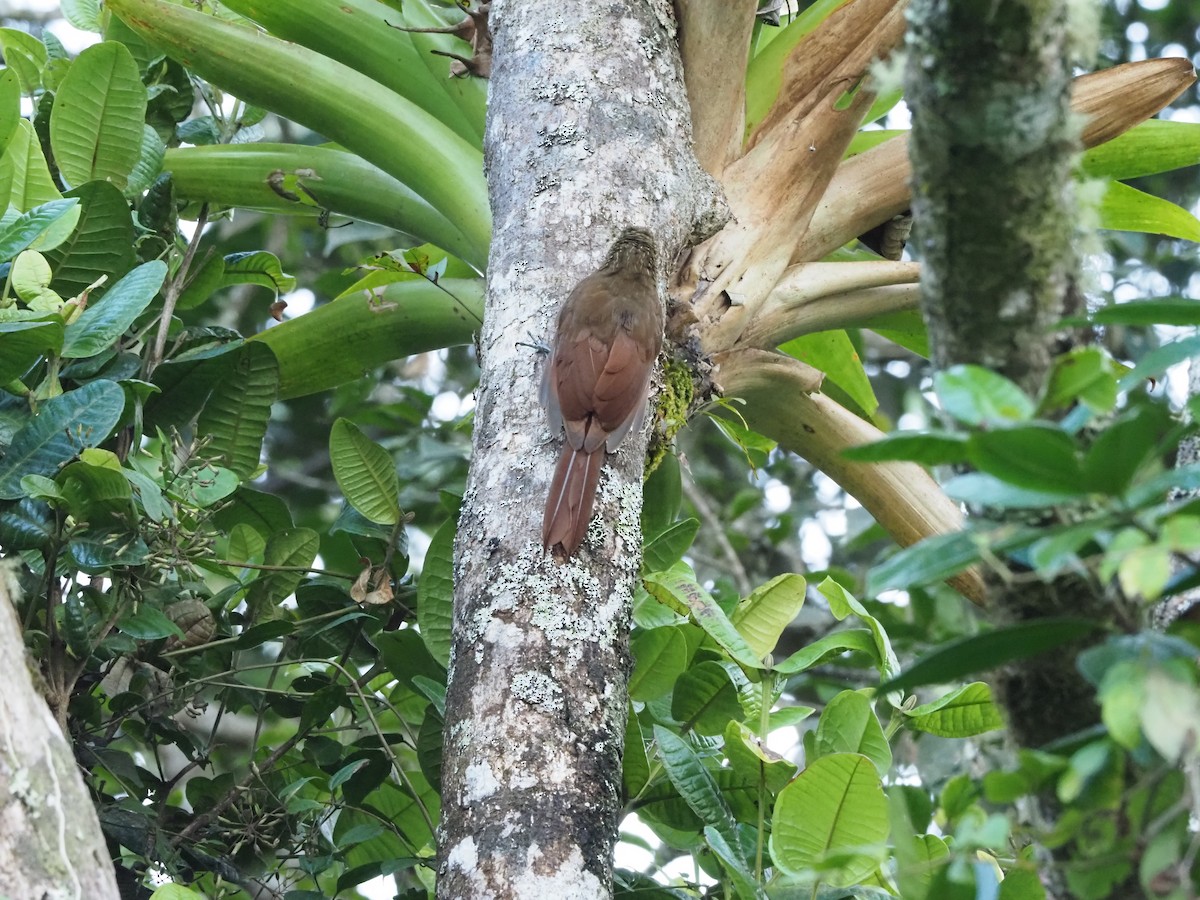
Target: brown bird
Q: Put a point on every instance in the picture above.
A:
(597, 382)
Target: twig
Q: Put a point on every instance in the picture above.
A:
(736, 569)
(171, 294)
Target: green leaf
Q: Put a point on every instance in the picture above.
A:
(694, 782)
(677, 588)
(30, 276)
(99, 110)
(24, 343)
(24, 170)
(10, 106)
(705, 699)
(1086, 374)
(659, 657)
(964, 712)
(365, 472)
(257, 267)
(635, 765)
(662, 495)
(930, 448)
(101, 244)
(435, 593)
(167, 891)
(848, 725)
(843, 604)
(986, 651)
(239, 408)
(835, 643)
(85, 15)
(762, 617)
(668, 547)
(1154, 146)
(978, 396)
(25, 55)
(1182, 312)
(834, 354)
(744, 883)
(833, 818)
(987, 490)
(37, 229)
(1128, 209)
(148, 624)
(905, 328)
(934, 559)
(63, 426)
(1037, 456)
(149, 163)
(1123, 446)
(106, 319)
(295, 548)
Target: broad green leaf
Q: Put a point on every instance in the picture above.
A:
(365, 472)
(1087, 374)
(662, 495)
(635, 765)
(964, 712)
(101, 244)
(659, 657)
(85, 15)
(1154, 146)
(1171, 713)
(931, 448)
(108, 318)
(762, 617)
(63, 426)
(23, 343)
(842, 604)
(987, 490)
(257, 267)
(265, 513)
(836, 643)
(705, 699)
(203, 281)
(37, 229)
(167, 891)
(10, 106)
(292, 551)
(1158, 360)
(1123, 446)
(1128, 209)
(31, 280)
(677, 588)
(26, 56)
(744, 883)
(245, 544)
(206, 484)
(694, 782)
(1037, 456)
(833, 353)
(978, 396)
(848, 725)
(748, 754)
(99, 110)
(669, 546)
(1182, 312)
(905, 328)
(833, 818)
(24, 170)
(148, 624)
(149, 163)
(938, 557)
(237, 412)
(435, 593)
(983, 652)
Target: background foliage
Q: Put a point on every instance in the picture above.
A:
(234, 541)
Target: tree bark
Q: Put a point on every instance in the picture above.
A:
(51, 846)
(588, 132)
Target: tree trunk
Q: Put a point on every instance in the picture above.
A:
(51, 847)
(588, 132)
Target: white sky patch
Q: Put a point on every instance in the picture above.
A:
(74, 40)
(299, 302)
(446, 406)
(777, 496)
(815, 547)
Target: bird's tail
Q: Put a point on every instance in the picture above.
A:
(572, 495)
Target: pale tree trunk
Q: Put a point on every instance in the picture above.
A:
(51, 846)
(588, 132)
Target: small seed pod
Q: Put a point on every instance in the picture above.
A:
(194, 619)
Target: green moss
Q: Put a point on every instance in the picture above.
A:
(673, 404)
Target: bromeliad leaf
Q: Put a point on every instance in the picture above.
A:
(1128, 209)
(365, 473)
(63, 426)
